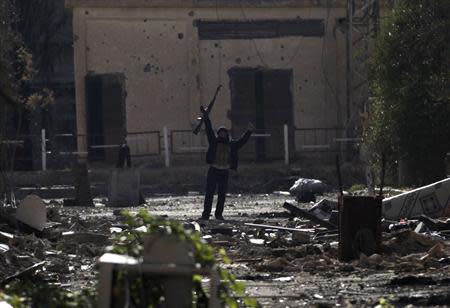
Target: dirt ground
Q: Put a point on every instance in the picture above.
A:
(278, 270)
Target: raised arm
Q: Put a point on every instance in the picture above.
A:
(244, 138)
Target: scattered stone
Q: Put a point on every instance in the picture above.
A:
(300, 238)
(257, 241)
(277, 265)
(347, 268)
(413, 280)
(222, 230)
(85, 237)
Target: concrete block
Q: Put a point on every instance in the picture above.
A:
(124, 188)
(32, 212)
(170, 250)
(432, 200)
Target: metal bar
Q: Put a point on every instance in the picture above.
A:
(347, 139)
(349, 54)
(286, 144)
(316, 146)
(105, 146)
(12, 142)
(261, 135)
(166, 147)
(43, 150)
(308, 231)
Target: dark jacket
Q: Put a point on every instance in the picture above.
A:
(235, 145)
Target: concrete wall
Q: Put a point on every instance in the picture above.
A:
(170, 72)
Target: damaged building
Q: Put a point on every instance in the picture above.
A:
(144, 65)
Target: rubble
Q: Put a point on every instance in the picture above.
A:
(32, 212)
(297, 211)
(263, 245)
(431, 200)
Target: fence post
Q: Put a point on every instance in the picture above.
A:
(43, 150)
(286, 144)
(166, 147)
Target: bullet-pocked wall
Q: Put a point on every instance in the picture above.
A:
(170, 71)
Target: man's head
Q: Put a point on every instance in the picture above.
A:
(222, 133)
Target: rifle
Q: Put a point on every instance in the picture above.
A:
(208, 110)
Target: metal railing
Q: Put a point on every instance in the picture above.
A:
(59, 150)
(319, 139)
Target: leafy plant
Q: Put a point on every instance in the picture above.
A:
(130, 242)
(144, 290)
(356, 187)
(384, 303)
(35, 293)
(410, 77)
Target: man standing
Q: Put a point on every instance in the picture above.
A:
(222, 156)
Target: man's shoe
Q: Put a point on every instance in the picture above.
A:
(203, 218)
(220, 217)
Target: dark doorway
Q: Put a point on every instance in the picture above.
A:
(263, 97)
(106, 115)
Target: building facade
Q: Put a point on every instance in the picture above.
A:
(141, 65)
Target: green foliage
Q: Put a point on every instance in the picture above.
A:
(17, 72)
(384, 303)
(410, 78)
(35, 293)
(130, 242)
(42, 25)
(356, 187)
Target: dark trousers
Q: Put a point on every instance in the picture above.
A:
(216, 178)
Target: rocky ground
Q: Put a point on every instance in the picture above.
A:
(279, 269)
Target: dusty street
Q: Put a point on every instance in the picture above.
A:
(278, 270)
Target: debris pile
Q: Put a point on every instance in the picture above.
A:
(64, 251)
(267, 239)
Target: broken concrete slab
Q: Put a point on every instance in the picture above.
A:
(324, 208)
(405, 242)
(3, 248)
(124, 188)
(295, 210)
(432, 200)
(435, 224)
(32, 212)
(6, 237)
(301, 238)
(83, 194)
